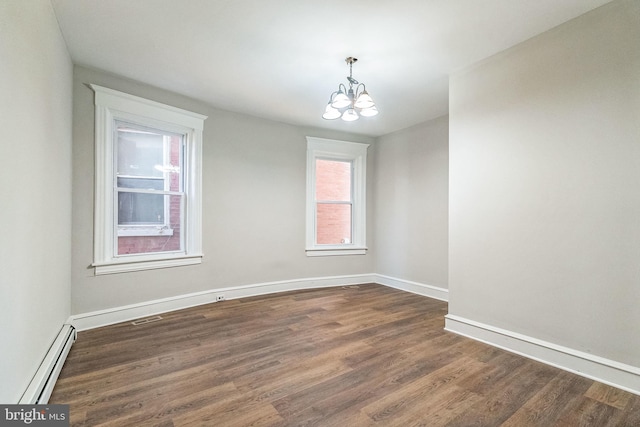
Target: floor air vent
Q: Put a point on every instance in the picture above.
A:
(145, 321)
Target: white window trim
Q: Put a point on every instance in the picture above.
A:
(355, 152)
(110, 105)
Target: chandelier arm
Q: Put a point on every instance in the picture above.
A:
(331, 96)
(364, 88)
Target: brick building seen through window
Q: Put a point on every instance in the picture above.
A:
(333, 202)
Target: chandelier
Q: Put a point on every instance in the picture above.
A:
(349, 104)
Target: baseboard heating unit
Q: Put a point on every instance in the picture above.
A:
(41, 386)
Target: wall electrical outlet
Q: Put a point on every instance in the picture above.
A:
(219, 297)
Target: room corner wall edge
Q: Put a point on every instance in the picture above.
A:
(616, 374)
(39, 389)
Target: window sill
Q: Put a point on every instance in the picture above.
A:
(336, 251)
(125, 266)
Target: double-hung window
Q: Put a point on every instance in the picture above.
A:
(148, 178)
(336, 197)
(148, 183)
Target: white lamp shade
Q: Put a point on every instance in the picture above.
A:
(350, 115)
(364, 101)
(341, 100)
(330, 113)
(369, 112)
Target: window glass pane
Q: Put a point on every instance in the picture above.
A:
(333, 180)
(141, 183)
(140, 151)
(164, 237)
(333, 223)
(140, 208)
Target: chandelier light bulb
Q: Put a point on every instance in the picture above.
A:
(369, 112)
(330, 113)
(364, 101)
(350, 115)
(341, 100)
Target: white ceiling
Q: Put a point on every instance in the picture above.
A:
(281, 59)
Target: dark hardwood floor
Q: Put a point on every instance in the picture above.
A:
(345, 356)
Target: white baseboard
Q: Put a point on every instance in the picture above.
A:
(41, 386)
(616, 374)
(110, 316)
(430, 291)
(607, 371)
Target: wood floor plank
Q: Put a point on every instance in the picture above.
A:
(631, 415)
(507, 395)
(352, 356)
(608, 395)
(590, 413)
(545, 408)
(152, 409)
(239, 411)
(406, 399)
(435, 412)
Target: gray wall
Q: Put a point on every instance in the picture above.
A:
(411, 205)
(544, 221)
(35, 206)
(254, 205)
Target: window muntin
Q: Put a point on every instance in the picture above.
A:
(336, 197)
(148, 179)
